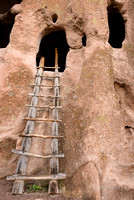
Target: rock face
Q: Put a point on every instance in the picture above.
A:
(97, 90)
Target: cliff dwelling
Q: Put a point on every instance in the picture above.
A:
(116, 26)
(67, 99)
(6, 20)
(55, 39)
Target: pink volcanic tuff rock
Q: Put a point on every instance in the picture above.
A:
(98, 125)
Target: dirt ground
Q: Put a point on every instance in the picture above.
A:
(5, 194)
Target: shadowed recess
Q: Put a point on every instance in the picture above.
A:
(55, 39)
(6, 25)
(4, 34)
(5, 5)
(6, 20)
(54, 17)
(116, 26)
(84, 40)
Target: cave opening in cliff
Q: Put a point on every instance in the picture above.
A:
(116, 25)
(55, 39)
(5, 5)
(6, 25)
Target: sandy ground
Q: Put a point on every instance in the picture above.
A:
(5, 194)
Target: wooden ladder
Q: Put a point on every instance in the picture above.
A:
(24, 152)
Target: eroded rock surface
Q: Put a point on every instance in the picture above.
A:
(97, 90)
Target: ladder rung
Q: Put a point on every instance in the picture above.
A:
(42, 136)
(47, 76)
(44, 67)
(41, 85)
(29, 94)
(51, 67)
(41, 119)
(58, 176)
(50, 107)
(40, 67)
(36, 155)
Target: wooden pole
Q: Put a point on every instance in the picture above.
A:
(26, 144)
(54, 162)
(41, 119)
(42, 136)
(56, 59)
(36, 155)
(59, 176)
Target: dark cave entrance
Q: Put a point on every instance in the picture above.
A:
(7, 19)
(55, 39)
(5, 5)
(116, 26)
(5, 30)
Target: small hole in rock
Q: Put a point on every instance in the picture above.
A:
(84, 40)
(54, 17)
(127, 127)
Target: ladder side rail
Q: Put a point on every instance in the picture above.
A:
(26, 144)
(54, 162)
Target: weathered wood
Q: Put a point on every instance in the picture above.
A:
(58, 176)
(44, 67)
(41, 119)
(42, 136)
(54, 162)
(22, 162)
(40, 67)
(41, 85)
(18, 186)
(36, 155)
(24, 152)
(30, 94)
(51, 77)
(51, 67)
(51, 107)
(53, 187)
